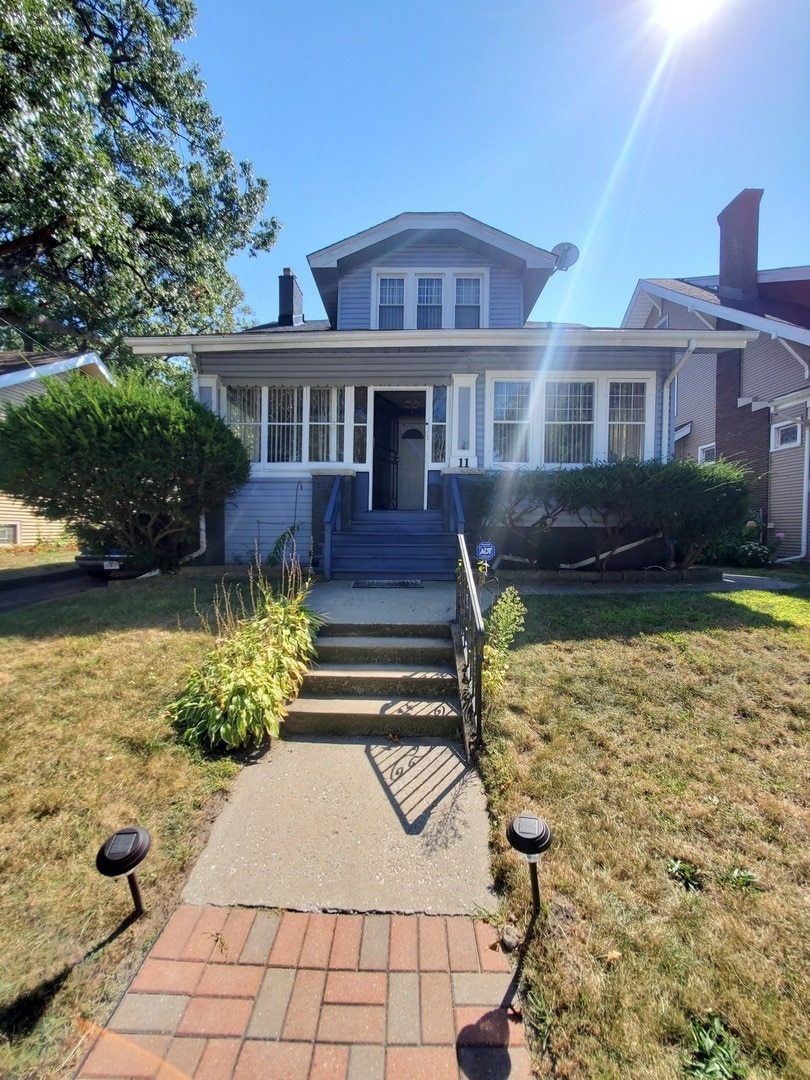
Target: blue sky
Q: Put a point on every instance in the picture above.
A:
(554, 120)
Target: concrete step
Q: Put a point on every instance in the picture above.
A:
(399, 680)
(356, 649)
(410, 630)
(366, 715)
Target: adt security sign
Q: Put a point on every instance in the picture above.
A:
(485, 550)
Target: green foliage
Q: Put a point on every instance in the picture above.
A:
(239, 695)
(737, 877)
(687, 503)
(686, 874)
(715, 1053)
(285, 541)
(119, 206)
(129, 466)
(505, 622)
(740, 545)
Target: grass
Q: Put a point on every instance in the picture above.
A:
(84, 750)
(663, 737)
(39, 558)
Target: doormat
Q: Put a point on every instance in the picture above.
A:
(386, 583)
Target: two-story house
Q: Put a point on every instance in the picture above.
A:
(751, 406)
(363, 427)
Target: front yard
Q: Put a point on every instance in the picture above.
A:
(84, 750)
(663, 736)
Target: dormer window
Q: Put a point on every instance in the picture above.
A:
(430, 299)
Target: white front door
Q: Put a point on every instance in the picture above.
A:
(411, 449)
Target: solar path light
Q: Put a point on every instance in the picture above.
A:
(531, 836)
(121, 854)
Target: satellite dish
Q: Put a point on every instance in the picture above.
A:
(566, 254)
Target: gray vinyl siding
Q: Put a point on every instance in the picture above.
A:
(261, 511)
(696, 403)
(785, 498)
(769, 370)
(680, 318)
(18, 394)
(355, 286)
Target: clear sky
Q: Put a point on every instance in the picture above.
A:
(553, 120)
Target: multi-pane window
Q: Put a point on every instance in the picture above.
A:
(511, 410)
(243, 417)
(468, 303)
(626, 418)
(285, 423)
(392, 303)
(360, 437)
(8, 534)
(438, 429)
(569, 423)
(327, 411)
(429, 303)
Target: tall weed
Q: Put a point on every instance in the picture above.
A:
(239, 695)
(505, 622)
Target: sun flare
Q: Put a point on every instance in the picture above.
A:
(677, 17)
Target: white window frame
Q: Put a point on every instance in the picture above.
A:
(410, 276)
(701, 454)
(15, 533)
(777, 429)
(601, 380)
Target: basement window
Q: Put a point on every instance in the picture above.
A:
(707, 454)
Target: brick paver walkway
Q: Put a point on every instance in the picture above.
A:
(252, 995)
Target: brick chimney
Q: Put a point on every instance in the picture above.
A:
(739, 246)
(290, 300)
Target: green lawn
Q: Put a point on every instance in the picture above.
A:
(664, 738)
(84, 750)
(42, 558)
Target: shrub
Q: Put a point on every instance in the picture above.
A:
(130, 466)
(506, 620)
(239, 695)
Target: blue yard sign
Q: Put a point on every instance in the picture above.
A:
(485, 550)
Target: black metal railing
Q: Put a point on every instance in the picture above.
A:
(331, 521)
(468, 640)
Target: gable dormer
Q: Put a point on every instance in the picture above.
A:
(432, 271)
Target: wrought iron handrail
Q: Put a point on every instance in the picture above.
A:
(330, 519)
(469, 645)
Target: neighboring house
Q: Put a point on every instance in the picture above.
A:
(364, 426)
(750, 406)
(21, 375)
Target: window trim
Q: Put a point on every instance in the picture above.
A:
(15, 527)
(601, 380)
(784, 425)
(410, 275)
(701, 453)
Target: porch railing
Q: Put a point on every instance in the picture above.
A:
(331, 521)
(468, 634)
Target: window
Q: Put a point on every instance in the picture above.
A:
(285, 423)
(360, 438)
(429, 303)
(8, 534)
(430, 299)
(626, 410)
(327, 411)
(569, 423)
(786, 435)
(438, 428)
(243, 417)
(511, 411)
(468, 303)
(391, 314)
(707, 454)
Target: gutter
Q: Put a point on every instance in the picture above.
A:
(667, 394)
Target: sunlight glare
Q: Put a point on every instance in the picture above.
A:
(678, 17)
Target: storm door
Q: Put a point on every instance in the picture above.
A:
(398, 460)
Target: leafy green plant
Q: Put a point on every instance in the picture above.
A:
(686, 874)
(278, 554)
(739, 878)
(714, 1053)
(506, 620)
(239, 695)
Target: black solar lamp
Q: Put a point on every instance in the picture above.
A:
(531, 836)
(121, 854)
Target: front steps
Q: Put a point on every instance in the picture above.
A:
(395, 544)
(380, 680)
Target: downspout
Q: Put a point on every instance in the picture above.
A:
(805, 498)
(186, 558)
(667, 397)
